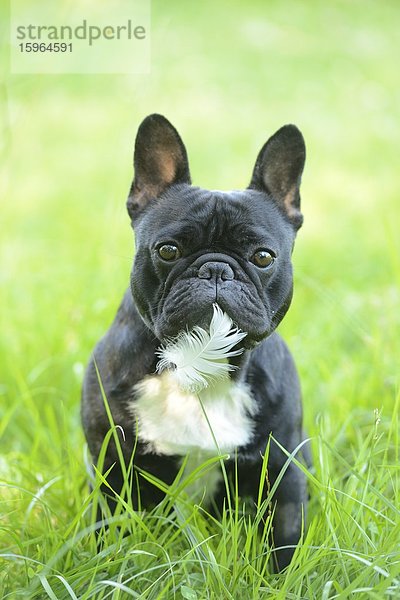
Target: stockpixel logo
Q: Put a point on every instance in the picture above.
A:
(93, 37)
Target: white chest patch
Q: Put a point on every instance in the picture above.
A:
(172, 421)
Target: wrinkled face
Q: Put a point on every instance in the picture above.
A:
(196, 248)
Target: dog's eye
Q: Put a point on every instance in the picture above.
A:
(263, 258)
(169, 252)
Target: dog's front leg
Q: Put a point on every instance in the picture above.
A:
(136, 479)
(290, 502)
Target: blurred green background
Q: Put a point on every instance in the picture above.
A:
(227, 75)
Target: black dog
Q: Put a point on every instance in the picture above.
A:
(196, 248)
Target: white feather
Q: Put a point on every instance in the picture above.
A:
(197, 357)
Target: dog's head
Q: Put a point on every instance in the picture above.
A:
(196, 247)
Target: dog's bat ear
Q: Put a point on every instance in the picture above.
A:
(278, 170)
(160, 160)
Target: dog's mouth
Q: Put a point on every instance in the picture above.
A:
(199, 356)
(194, 308)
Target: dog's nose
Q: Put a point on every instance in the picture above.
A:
(216, 270)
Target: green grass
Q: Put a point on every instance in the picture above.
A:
(227, 75)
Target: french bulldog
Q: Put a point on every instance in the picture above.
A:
(198, 249)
